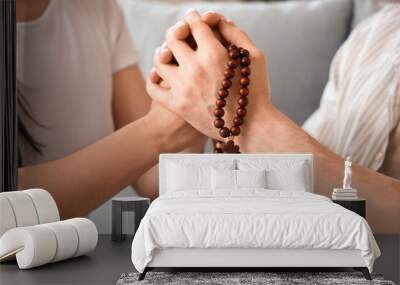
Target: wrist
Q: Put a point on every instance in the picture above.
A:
(156, 135)
(271, 131)
(164, 136)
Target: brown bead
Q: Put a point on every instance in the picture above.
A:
(235, 131)
(218, 112)
(229, 146)
(229, 73)
(243, 91)
(219, 123)
(220, 102)
(226, 83)
(241, 112)
(244, 52)
(236, 149)
(232, 63)
(224, 132)
(232, 46)
(223, 93)
(245, 61)
(237, 121)
(244, 81)
(217, 150)
(219, 145)
(233, 53)
(243, 101)
(245, 71)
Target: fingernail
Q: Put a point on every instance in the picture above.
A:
(191, 10)
(180, 23)
(230, 22)
(177, 25)
(163, 50)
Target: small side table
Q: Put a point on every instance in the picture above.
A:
(138, 205)
(357, 206)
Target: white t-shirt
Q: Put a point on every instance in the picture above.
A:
(65, 62)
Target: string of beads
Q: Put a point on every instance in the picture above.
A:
(238, 57)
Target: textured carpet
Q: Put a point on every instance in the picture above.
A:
(244, 278)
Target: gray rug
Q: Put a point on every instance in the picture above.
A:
(243, 278)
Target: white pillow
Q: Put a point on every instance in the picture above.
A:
(181, 177)
(226, 179)
(289, 179)
(223, 179)
(251, 178)
(282, 174)
(186, 174)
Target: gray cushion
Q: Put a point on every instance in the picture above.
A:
(299, 39)
(365, 8)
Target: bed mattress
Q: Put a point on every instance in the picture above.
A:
(250, 219)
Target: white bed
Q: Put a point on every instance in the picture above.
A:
(249, 227)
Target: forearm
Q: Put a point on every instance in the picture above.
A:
(84, 180)
(273, 132)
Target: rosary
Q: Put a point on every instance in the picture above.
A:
(237, 56)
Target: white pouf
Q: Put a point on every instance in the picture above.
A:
(40, 244)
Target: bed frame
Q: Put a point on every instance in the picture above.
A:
(247, 259)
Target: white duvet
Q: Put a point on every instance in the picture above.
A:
(250, 219)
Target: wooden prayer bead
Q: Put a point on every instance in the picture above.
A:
(231, 47)
(243, 91)
(229, 73)
(235, 131)
(223, 93)
(219, 123)
(244, 81)
(229, 146)
(226, 83)
(245, 71)
(244, 52)
(224, 132)
(237, 121)
(232, 63)
(245, 61)
(243, 101)
(234, 53)
(241, 112)
(218, 112)
(220, 102)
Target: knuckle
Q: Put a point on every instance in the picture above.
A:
(183, 105)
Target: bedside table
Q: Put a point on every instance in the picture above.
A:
(357, 206)
(136, 204)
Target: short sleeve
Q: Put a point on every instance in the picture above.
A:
(123, 53)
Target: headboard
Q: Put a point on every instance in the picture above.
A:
(165, 158)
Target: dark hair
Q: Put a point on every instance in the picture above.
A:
(24, 135)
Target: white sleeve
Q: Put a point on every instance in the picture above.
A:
(123, 53)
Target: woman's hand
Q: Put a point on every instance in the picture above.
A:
(174, 133)
(191, 87)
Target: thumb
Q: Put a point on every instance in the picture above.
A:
(158, 93)
(236, 36)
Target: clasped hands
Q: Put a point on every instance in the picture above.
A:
(187, 73)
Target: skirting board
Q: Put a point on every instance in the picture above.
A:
(229, 257)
